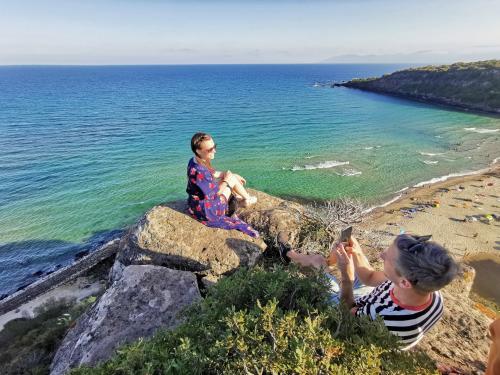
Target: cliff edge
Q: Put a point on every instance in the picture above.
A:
(467, 86)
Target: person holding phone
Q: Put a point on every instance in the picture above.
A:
(405, 294)
(210, 191)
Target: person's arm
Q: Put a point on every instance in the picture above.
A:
(346, 267)
(364, 270)
(223, 183)
(219, 174)
(204, 181)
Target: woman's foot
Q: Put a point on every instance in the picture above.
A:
(249, 201)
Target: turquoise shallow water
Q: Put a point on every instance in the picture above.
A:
(86, 150)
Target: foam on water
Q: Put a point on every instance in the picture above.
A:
(482, 130)
(347, 172)
(429, 162)
(430, 153)
(323, 165)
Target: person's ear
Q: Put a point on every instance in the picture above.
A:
(404, 283)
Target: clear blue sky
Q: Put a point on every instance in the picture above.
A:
(237, 31)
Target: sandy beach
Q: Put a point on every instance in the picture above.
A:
(460, 213)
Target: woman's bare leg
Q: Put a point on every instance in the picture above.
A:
(313, 260)
(237, 187)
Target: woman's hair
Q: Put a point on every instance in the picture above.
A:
(197, 139)
(426, 265)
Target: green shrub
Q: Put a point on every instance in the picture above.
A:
(27, 345)
(267, 322)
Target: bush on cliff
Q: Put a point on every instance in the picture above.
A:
(27, 345)
(268, 322)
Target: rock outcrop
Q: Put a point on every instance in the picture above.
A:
(166, 236)
(467, 86)
(272, 215)
(461, 323)
(145, 299)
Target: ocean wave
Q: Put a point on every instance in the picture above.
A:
(311, 156)
(448, 176)
(368, 210)
(347, 172)
(431, 154)
(429, 162)
(482, 131)
(401, 190)
(430, 182)
(323, 165)
(368, 148)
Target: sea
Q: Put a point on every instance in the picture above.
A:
(86, 150)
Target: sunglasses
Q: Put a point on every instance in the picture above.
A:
(415, 248)
(212, 149)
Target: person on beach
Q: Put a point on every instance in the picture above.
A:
(210, 191)
(405, 294)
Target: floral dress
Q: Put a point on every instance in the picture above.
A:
(206, 205)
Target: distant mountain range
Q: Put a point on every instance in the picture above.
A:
(486, 52)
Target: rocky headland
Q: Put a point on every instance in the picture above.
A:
(466, 86)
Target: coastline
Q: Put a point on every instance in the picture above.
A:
(444, 180)
(387, 218)
(460, 211)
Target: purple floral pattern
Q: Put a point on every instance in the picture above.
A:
(206, 205)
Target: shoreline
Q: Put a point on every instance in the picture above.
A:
(375, 217)
(461, 212)
(493, 166)
(428, 101)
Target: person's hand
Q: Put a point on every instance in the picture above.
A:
(353, 246)
(345, 262)
(240, 179)
(227, 175)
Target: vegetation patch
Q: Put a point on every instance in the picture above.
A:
(27, 345)
(268, 321)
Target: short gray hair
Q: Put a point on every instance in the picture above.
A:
(426, 265)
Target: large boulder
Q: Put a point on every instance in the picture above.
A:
(462, 323)
(272, 215)
(168, 237)
(145, 299)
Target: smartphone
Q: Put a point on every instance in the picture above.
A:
(344, 237)
(345, 234)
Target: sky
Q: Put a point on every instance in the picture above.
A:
(102, 32)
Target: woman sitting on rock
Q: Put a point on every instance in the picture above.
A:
(210, 190)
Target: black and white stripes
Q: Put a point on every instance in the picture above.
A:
(408, 323)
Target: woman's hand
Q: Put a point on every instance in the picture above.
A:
(227, 175)
(240, 179)
(345, 262)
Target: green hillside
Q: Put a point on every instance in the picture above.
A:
(467, 86)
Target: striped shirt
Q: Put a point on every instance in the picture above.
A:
(408, 322)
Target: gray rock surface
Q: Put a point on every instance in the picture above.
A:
(143, 300)
(168, 237)
(272, 215)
